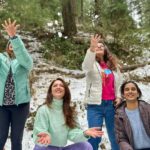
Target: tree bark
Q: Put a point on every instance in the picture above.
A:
(82, 11)
(98, 11)
(97, 7)
(68, 15)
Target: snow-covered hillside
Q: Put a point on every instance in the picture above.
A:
(42, 75)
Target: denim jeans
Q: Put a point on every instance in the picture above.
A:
(76, 146)
(96, 115)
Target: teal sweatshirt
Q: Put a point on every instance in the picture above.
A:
(51, 121)
(21, 67)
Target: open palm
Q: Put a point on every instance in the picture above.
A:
(44, 138)
(94, 41)
(10, 27)
(94, 132)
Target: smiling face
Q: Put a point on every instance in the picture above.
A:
(9, 49)
(100, 50)
(58, 89)
(131, 92)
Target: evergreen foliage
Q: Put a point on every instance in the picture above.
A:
(30, 13)
(113, 19)
(67, 52)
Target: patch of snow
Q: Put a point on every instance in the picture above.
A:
(77, 87)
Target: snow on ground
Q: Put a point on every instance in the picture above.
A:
(143, 72)
(77, 87)
(145, 91)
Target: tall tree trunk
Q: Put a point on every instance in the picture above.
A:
(82, 10)
(97, 7)
(68, 15)
(98, 12)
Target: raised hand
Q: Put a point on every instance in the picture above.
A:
(94, 41)
(44, 138)
(94, 132)
(10, 27)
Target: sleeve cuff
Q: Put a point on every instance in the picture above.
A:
(13, 37)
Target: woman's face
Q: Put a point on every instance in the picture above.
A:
(58, 90)
(100, 50)
(130, 92)
(10, 49)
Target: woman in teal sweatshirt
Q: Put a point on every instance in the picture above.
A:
(15, 66)
(55, 122)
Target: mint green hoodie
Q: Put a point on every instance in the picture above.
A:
(51, 121)
(21, 66)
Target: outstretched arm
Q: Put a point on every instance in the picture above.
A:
(90, 56)
(78, 135)
(19, 49)
(94, 132)
(41, 125)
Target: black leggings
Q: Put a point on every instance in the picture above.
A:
(14, 116)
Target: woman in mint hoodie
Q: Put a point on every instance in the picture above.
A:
(55, 122)
(15, 65)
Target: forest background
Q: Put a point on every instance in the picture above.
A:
(64, 27)
(57, 34)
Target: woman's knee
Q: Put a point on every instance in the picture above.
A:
(37, 147)
(86, 146)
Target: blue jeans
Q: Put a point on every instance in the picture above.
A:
(75, 146)
(95, 116)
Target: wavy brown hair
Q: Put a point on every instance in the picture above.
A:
(69, 111)
(109, 58)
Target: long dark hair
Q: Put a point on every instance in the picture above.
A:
(109, 58)
(69, 112)
(127, 82)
